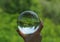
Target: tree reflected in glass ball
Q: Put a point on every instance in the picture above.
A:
(28, 22)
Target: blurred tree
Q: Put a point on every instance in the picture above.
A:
(51, 9)
(13, 6)
(17, 6)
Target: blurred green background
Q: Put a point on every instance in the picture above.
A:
(47, 10)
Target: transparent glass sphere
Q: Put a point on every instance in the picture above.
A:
(28, 22)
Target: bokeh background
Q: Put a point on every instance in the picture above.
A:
(47, 10)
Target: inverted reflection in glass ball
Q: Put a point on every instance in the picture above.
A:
(28, 22)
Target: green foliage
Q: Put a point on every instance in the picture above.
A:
(16, 6)
(47, 10)
(51, 9)
(11, 6)
(50, 32)
(28, 20)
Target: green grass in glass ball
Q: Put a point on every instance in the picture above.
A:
(28, 22)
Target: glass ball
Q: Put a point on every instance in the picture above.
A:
(28, 22)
